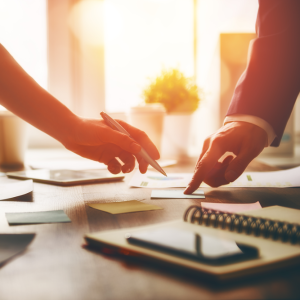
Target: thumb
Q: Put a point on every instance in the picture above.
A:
(238, 165)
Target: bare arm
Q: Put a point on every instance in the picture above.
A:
(90, 138)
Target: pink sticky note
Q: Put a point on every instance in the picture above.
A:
(231, 207)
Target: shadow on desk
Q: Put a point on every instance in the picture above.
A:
(285, 278)
(23, 198)
(288, 197)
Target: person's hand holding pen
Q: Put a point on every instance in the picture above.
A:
(90, 138)
(93, 139)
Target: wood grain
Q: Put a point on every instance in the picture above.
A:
(56, 266)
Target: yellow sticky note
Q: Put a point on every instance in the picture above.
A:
(124, 207)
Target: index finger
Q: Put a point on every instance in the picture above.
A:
(204, 166)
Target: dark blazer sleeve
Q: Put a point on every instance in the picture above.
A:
(269, 86)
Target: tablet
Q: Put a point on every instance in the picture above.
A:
(66, 177)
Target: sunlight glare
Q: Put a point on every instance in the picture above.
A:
(86, 21)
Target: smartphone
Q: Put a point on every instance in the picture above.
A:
(66, 177)
(187, 244)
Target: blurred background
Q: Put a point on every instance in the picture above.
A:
(98, 55)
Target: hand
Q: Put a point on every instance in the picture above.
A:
(243, 139)
(93, 139)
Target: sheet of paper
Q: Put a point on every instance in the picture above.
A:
(156, 180)
(15, 189)
(124, 207)
(231, 207)
(176, 194)
(12, 244)
(276, 179)
(41, 217)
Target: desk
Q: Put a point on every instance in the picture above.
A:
(56, 266)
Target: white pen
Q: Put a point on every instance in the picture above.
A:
(116, 126)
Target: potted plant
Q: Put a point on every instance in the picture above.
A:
(181, 97)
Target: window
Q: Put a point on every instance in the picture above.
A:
(138, 38)
(23, 32)
(142, 38)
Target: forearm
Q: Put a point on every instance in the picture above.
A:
(20, 94)
(270, 84)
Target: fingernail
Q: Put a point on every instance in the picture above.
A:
(135, 147)
(186, 189)
(231, 175)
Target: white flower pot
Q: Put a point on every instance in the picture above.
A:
(176, 135)
(13, 139)
(149, 118)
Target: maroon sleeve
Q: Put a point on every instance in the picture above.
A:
(269, 86)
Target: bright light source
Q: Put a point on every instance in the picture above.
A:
(86, 21)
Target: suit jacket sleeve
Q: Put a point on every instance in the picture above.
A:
(269, 86)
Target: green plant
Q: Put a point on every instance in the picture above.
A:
(175, 91)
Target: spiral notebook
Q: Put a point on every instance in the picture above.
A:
(274, 230)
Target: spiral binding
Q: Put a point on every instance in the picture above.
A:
(276, 230)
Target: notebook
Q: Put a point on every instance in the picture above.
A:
(274, 230)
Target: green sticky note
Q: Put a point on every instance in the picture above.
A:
(41, 217)
(124, 207)
(249, 178)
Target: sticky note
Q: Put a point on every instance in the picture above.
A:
(176, 194)
(124, 207)
(12, 244)
(231, 207)
(55, 216)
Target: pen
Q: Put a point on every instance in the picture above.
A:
(116, 126)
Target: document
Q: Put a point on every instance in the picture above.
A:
(231, 207)
(14, 189)
(156, 180)
(41, 217)
(176, 194)
(275, 179)
(124, 207)
(12, 244)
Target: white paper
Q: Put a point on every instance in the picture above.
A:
(156, 180)
(15, 189)
(275, 179)
(176, 194)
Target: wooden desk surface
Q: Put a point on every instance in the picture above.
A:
(56, 266)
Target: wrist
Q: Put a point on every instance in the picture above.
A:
(68, 135)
